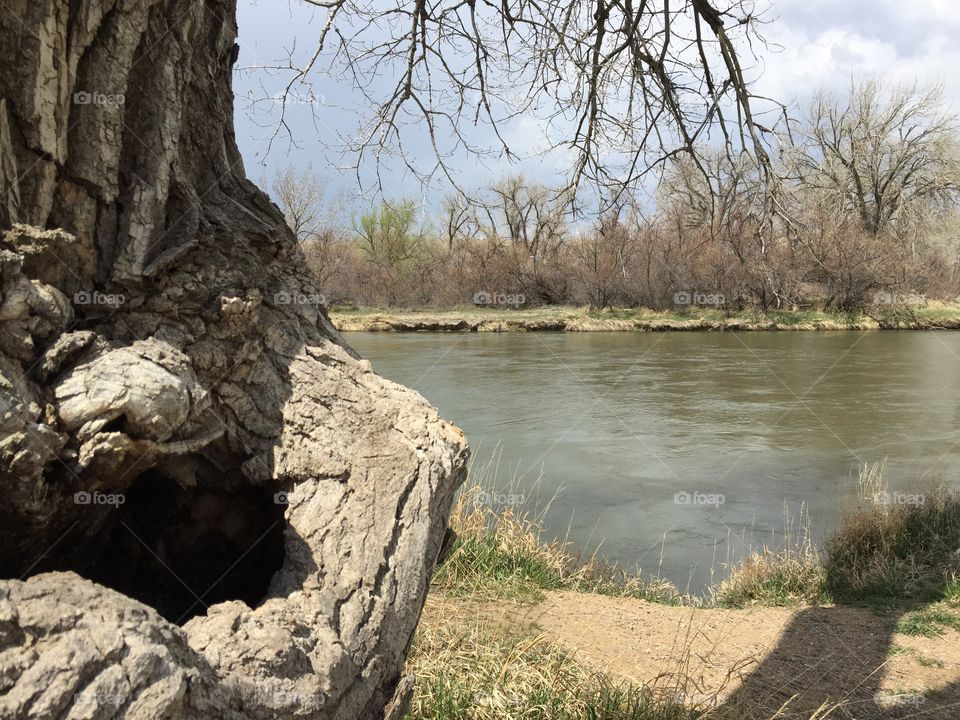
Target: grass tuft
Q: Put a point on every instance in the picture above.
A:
(503, 554)
(892, 550)
(789, 577)
(887, 551)
(928, 623)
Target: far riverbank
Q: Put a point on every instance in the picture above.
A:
(935, 316)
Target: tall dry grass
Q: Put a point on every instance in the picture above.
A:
(892, 548)
(895, 547)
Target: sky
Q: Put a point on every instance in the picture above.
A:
(812, 44)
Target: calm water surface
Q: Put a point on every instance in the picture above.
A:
(617, 424)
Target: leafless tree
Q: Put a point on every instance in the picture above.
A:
(300, 193)
(869, 178)
(888, 154)
(602, 259)
(529, 221)
(458, 218)
(618, 85)
(724, 201)
(527, 214)
(715, 195)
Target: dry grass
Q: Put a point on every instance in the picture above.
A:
(502, 553)
(871, 482)
(583, 319)
(891, 549)
(894, 553)
(470, 666)
(789, 577)
(469, 671)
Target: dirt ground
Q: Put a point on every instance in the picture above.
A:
(806, 658)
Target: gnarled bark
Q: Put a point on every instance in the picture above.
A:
(179, 421)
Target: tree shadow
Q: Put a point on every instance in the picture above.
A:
(838, 658)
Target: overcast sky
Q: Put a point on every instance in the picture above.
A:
(814, 43)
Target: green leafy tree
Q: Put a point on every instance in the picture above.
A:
(392, 240)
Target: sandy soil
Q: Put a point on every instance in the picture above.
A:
(806, 657)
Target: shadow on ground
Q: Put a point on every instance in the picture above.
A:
(820, 663)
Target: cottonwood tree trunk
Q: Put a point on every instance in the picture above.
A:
(179, 421)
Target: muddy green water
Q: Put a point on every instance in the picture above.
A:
(618, 426)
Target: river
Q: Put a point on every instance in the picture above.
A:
(676, 453)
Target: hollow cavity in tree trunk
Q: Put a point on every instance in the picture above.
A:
(180, 550)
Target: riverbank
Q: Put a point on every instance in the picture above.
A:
(935, 316)
(867, 626)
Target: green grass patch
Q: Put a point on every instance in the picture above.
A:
(501, 554)
(484, 565)
(928, 623)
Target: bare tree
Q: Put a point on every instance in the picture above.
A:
(300, 194)
(724, 200)
(886, 154)
(715, 195)
(602, 258)
(532, 223)
(618, 85)
(458, 220)
(869, 179)
(527, 214)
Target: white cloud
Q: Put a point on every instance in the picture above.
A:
(825, 42)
